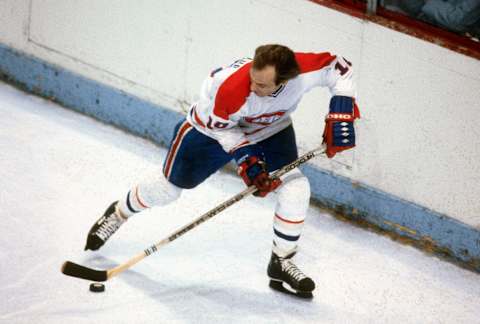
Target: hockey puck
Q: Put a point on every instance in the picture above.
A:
(97, 287)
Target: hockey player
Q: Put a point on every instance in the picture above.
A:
(244, 114)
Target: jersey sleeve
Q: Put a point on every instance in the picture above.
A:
(326, 70)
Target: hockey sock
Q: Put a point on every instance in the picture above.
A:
(290, 213)
(158, 192)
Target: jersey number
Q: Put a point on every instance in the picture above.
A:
(343, 68)
(216, 124)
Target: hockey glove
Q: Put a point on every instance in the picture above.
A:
(339, 133)
(253, 171)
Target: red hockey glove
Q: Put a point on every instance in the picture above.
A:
(254, 172)
(339, 133)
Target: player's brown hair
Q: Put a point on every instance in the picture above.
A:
(278, 56)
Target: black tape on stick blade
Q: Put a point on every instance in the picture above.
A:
(78, 271)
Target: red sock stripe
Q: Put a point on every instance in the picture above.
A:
(173, 151)
(138, 199)
(288, 221)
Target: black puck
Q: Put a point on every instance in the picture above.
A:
(97, 287)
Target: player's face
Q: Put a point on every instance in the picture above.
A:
(262, 82)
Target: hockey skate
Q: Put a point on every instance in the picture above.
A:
(105, 226)
(287, 278)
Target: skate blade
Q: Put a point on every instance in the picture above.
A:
(279, 286)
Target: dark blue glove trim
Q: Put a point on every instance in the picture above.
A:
(343, 134)
(243, 153)
(255, 170)
(341, 104)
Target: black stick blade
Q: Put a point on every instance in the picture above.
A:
(79, 271)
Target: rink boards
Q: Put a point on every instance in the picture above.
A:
(354, 200)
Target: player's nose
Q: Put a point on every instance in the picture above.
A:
(254, 89)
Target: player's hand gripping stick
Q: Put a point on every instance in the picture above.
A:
(254, 172)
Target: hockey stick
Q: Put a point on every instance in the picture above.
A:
(75, 270)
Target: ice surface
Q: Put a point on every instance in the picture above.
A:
(60, 170)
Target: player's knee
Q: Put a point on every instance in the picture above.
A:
(294, 192)
(168, 189)
(160, 192)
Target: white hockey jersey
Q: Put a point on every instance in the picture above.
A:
(234, 116)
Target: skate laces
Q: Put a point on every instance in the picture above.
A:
(109, 226)
(291, 269)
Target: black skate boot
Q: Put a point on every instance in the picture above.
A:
(286, 277)
(104, 228)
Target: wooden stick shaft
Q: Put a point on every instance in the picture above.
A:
(186, 228)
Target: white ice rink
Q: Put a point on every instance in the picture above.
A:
(60, 170)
